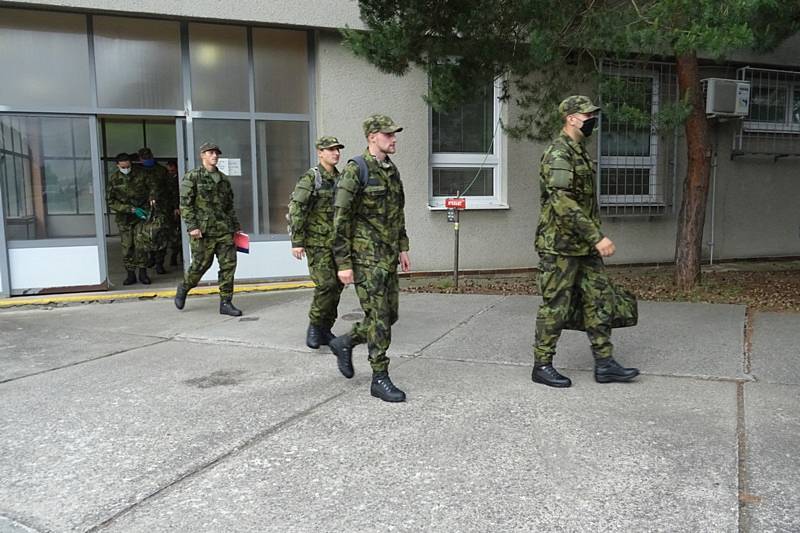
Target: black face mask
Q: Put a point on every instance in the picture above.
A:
(588, 126)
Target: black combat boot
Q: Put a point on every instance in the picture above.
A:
(143, 277)
(326, 336)
(151, 260)
(607, 370)
(226, 307)
(131, 279)
(383, 388)
(545, 374)
(160, 268)
(313, 336)
(342, 348)
(180, 296)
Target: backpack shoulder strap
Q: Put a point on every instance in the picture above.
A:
(317, 179)
(363, 171)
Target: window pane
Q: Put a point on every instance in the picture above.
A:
(281, 70)
(467, 129)
(44, 58)
(219, 64)
(768, 104)
(138, 63)
(627, 116)
(451, 181)
(796, 106)
(283, 155)
(625, 181)
(233, 138)
(160, 138)
(49, 180)
(122, 136)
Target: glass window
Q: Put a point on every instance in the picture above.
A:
(281, 70)
(465, 154)
(138, 63)
(627, 117)
(219, 65)
(768, 104)
(44, 58)
(283, 155)
(233, 138)
(160, 138)
(48, 176)
(466, 129)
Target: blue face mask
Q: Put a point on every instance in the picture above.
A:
(148, 163)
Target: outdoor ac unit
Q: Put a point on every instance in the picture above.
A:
(727, 98)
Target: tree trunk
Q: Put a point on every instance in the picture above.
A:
(689, 241)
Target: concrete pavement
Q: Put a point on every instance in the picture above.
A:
(133, 416)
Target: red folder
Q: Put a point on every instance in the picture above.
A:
(242, 242)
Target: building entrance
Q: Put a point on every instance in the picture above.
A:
(163, 254)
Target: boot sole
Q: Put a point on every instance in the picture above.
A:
(551, 384)
(378, 396)
(615, 379)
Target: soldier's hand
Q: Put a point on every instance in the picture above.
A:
(298, 252)
(346, 276)
(196, 234)
(405, 262)
(606, 247)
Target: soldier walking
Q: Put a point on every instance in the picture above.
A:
(571, 247)
(311, 221)
(129, 193)
(162, 208)
(369, 240)
(207, 207)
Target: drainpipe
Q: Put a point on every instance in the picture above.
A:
(714, 165)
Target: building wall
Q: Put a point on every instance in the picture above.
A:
(307, 13)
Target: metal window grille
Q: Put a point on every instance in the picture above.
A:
(772, 126)
(637, 142)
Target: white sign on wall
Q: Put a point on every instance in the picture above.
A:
(230, 167)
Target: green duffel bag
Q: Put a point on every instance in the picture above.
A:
(624, 310)
(148, 232)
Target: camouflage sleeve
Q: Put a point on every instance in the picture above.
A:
(115, 203)
(298, 205)
(558, 177)
(188, 196)
(404, 245)
(346, 191)
(230, 209)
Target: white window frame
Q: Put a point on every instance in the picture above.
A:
(458, 160)
(633, 162)
(789, 125)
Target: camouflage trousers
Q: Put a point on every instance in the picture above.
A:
(560, 278)
(327, 287)
(134, 252)
(377, 290)
(203, 252)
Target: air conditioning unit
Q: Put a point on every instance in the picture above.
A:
(726, 98)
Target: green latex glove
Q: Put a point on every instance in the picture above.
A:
(144, 214)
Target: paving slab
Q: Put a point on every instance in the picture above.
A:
(775, 351)
(772, 419)
(477, 447)
(671, 339)
(83, 443)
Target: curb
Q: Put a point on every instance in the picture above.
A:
(141, 295)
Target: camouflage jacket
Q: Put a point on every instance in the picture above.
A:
(311, 211)
(569, 219)
(369, 224)
(164, 189)
(126, 192)
(207, 202)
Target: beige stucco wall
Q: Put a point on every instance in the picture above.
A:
(308, 13)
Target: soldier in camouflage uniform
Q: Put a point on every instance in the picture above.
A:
(311, 220)
(162, 207)
(207, 207)
(369, 240)
(129, 190)
(571, 247)
(174, 220)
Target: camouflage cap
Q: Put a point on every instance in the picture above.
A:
(145, 153)
(576, 104)
(328, 141)
(206, 146)
(380, 123)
